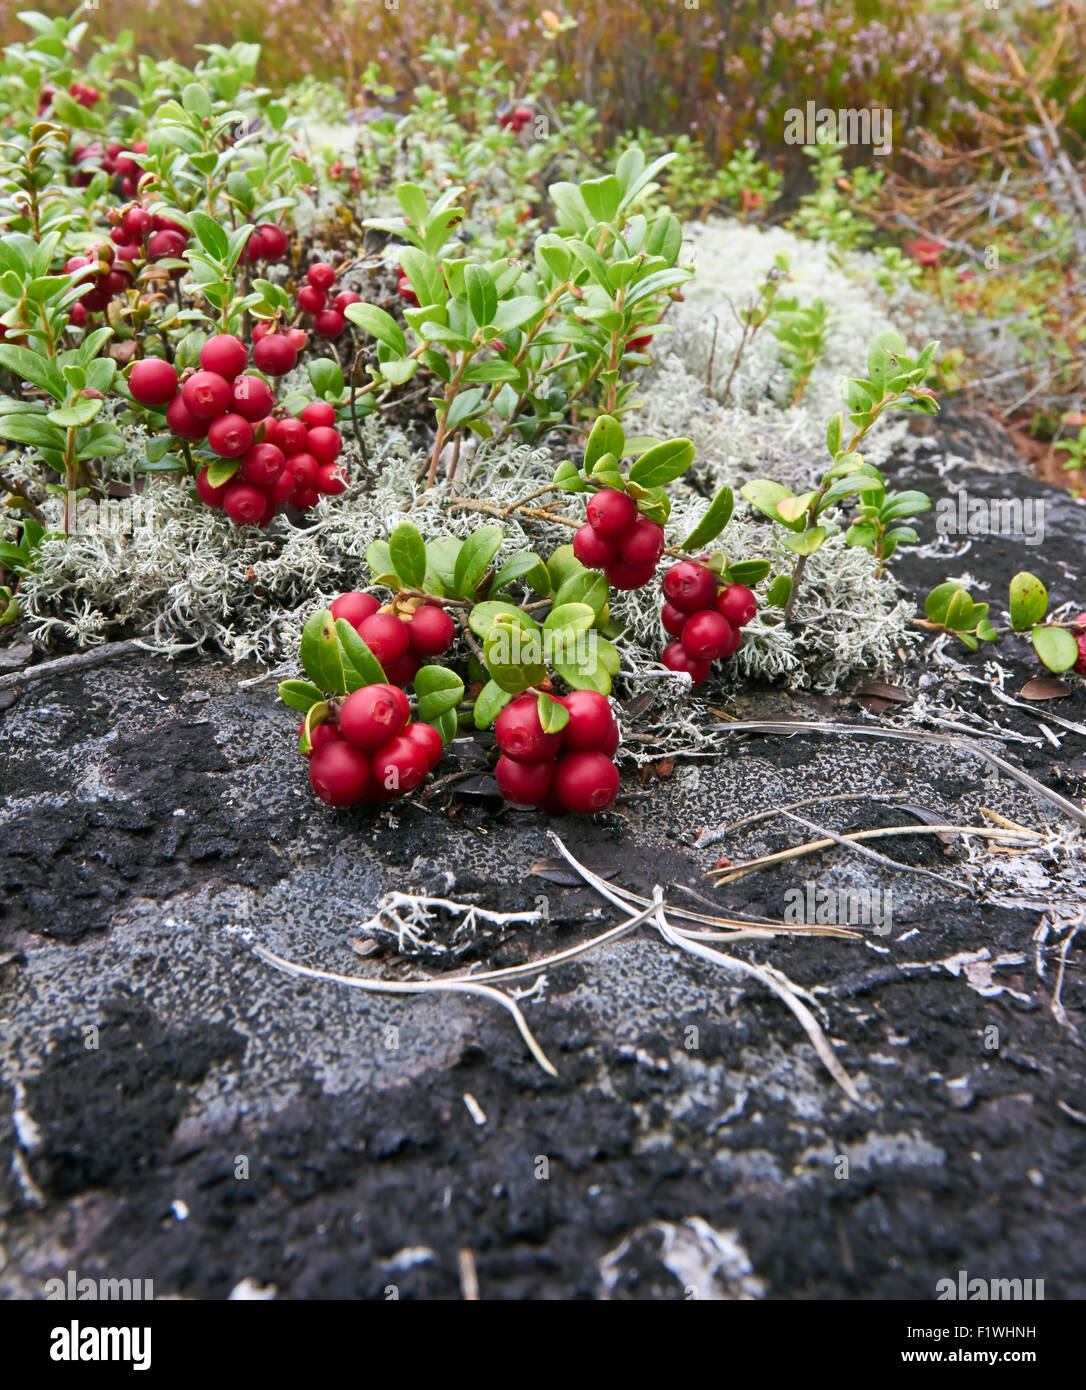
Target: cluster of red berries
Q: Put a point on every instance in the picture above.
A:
(113, 274)
(566, 771)
(114, 158)
(138, 234)
(400, 640)
(373, 752)
(281, 461)
(80, 92)
(619, 540)
(516, 118)
(338, 170)
(705, 622)
(328, 318)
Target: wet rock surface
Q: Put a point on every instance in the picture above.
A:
(175, 1109)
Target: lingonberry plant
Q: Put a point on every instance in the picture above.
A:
(1061, 645)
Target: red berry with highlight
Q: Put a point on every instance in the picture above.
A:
(520, 734)
(355, 607)
(207, 395)
(622, 575)
(643, 543)
(274, 240)
(153, 381)
(262, 464)
(244, 504)
(370, 717)
(311, 300)
(331, 479)
(339, 774)
(318, 737)
(224, 354)
(592, 549)
(230, 436)
(676, 658)
(400, 765)
(329, 323)
(707, 636)
(524, 784)
(324, 444)
(318, 413)
(182, 421)
(306, 470)
(689, 586)
(291, 436)
(586, 782)
(673, 620)
(253, 398)
(275, 354)
(385, 636)
(212, 496)
(426, 738)
(431, 630)
(737, 604)
(321, 276)
(611, 513)
(591, 727)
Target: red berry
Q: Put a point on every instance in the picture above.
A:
(291, 436)
(331, 479)
(212, 496)
(430, 631)
(339, 774)
(403, 670)
(643, 543)
(207, 395)
(520, 734)
(524, 784)
(153, 381)
(638, 344)
(329, 323)
(297, 338)
(427, 739)
(611, 513)
(77, 316)
(305, 468)
(406, 292)
(318, 736)
(224, 354)
(261, 329)
(591, 726)
(244, 504)
(400, 765)
(1080, 639)
(385, 636)
(253, 398)
(673, 620)
(304, 497)
(689, 586)
(676, 658)
(255, 248)
(281, 491)
(592, 549)
(707, 636)
(262, 464)
(137, 223)
(274, 240)
(371, 716)
(586, 782)
(737, 604)
(275, 355)
(324, 444)
(116, 282)
(622, 575)
(318, 413)
(311, 300)
(166, 244)
(345, 299)
(355, 607)
(230, 436)
(321, 276)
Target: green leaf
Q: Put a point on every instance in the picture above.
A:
(319, 713)
(31, 428)
(571, 617)
(516, 313)
(321, 653)
(72, 416)
(986, 632)
(408, 554)
(196, 100)
(424, 273)
(299, 695)
(569, 478)
(583, 587)
(1029, 601)
(474, 559)
(482, 295)
(437, 690)
(806, 542)
(379, 559)
(413, 201)
(482, 616)
(514, 654)
(1056, 647)
(221, 471)
(379, 325)
(29, 366)
(491, 700)
(748, 572)
(938, 601)
(527, 566)
(664, 463)
(327, 377)
(765, 494)
(716, 517)
(779, 592)
(360, 666)
(210, 235)
(834, 432)
(552, 716)
(465, 404)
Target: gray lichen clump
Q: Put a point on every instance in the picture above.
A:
(182, 575)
